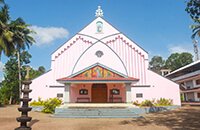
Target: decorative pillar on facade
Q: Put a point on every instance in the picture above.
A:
(128, 92)
(67, 93)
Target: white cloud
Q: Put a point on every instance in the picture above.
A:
(181, 48)
(46, 35)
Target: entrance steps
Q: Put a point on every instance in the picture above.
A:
(95, 113)
(117, 110)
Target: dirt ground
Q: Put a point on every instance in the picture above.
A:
(185, 118)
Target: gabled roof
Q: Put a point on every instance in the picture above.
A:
(106, 75)
(97, 64)
(87, 31)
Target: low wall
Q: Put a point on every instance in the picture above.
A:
(144, 110)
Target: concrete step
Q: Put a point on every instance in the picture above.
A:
(78, 110)
(88, 116)
(95, 113)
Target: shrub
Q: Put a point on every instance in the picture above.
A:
(136, 103)
(37, 103)
(164, 102)
(51, 104)
(151, 103)
(4, 97)
(182, 98)
(147, 103)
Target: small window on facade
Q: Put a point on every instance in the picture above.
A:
(115, 91)
(139, 95)
(198, 95)
(83, 92)
(198, 82)
(59, 95)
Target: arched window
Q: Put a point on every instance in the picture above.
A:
(115, 91)
(83, 92)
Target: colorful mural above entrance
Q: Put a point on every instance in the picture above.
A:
(98, 72)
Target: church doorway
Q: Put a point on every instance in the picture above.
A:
(99, 93)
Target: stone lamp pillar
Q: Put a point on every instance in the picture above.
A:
(24, 109)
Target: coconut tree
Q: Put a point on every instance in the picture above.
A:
(193, 9)
(14, 36)
(6, 44)
(2, 2)
(21, 39)
(195, 30)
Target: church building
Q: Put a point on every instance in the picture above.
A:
(102, 65)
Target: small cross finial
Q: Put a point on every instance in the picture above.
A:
(27, 72)
(99, 12)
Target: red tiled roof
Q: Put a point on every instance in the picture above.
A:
(98, 79)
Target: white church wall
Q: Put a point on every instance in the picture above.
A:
(91, 29)
(41, 87)
(133, 57)
(109, 58)
(65, 58)
(160, 87)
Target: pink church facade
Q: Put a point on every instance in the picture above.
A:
(101, 65)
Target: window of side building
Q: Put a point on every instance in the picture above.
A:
(198, 95)
(198, 82)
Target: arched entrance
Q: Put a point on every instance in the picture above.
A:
(99, 93)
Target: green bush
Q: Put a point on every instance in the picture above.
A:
(164, 102)
(182, 98)
(151, 103)
(147, 103)
(51, 104)
(4, 97)
(37, 103)
(136, 103)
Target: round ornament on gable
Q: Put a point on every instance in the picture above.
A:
(99, 54)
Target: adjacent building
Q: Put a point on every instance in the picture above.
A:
(188, 78)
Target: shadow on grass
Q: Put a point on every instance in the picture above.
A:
(33, 122)
(187, 118)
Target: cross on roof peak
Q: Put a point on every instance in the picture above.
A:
(99, 12)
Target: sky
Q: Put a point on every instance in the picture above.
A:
(161, 27)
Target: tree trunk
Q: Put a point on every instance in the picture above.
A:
(10, 100)
(20, 78)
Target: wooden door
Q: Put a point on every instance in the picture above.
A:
(99, 93)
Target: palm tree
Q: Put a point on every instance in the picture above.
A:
(21, 39)
(1, 1)
(195, 30)
(14, 36)
(6, 45)
(193, 9)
